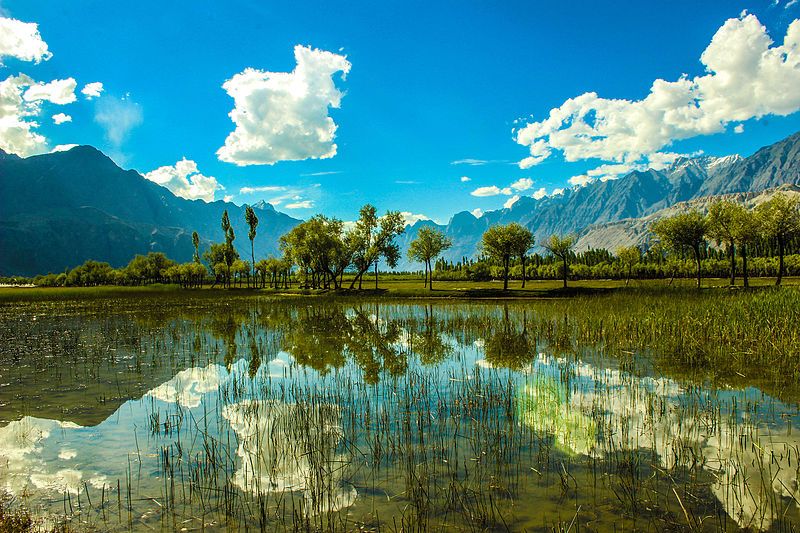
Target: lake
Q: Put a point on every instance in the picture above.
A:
(181, 412)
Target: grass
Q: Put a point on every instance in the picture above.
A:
(392, 288)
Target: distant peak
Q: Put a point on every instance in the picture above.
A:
(263, 205)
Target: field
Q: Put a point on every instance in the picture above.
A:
(605, 408)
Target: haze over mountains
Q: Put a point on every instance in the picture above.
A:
(59, 209)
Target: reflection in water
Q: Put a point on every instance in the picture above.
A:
(600, 412)
(291, 447)
(439, 415)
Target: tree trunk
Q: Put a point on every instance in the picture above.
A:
(744, 266)
(425, 278)
(430, 276)
(253, 257)
(697, 258)
(505, 274)
(565, 271)
(376, 274)
(780, 261)
(733, 263)
(523, 271)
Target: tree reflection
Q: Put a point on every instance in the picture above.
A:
(508, 348)
(428, 342)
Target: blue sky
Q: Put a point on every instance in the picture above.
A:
(428, 85)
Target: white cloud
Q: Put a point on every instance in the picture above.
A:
(117, 116)
(18, 115)
(739, 128)
(746, 76)
(511, 201)
(184, 180)
(522, 184)
(412, 218)
(63, 148)
(557, 192)
(540, 193)
(60, 118)
(324, 173)
(465, 179)
(283, 116)
(92, 90)
(492, 190)
(59, 92)
(469, 161)
(612, 170)
(580, 181)
(477, 212)
(21, 40)
(304, 204)
(268, 188)
(228, 198)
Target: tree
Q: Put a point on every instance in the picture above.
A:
(501, 243)
(252, 222)
(522, 240)
(217, 258)
(196, 243)
(428, 245)
(681, 231)
(745, 233)
(629, 256)
(230, 254)
(318, 247)
(721, 226)
(561, 247)
(373, 237)
(779, 219)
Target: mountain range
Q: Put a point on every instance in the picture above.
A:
(59, 209)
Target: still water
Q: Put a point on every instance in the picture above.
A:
(205, 415)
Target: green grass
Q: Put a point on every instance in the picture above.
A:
(393, 288)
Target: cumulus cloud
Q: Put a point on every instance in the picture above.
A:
(117, 116)
(283, 116)
(522, 184)
(511, 201)
(465, 179)
(92, 90)
(492, 190)
(21, 40)
(412, 218)
(581, 181)
(739, 128)
(60, 118)
(19, 109)
(540, 193)
(185, 180)
(59, 92)
(746, 76)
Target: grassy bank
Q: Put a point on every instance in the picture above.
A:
(393, 288)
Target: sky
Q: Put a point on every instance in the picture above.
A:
(429, 108)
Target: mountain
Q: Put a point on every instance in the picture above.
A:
(59, 209)
(633, 196)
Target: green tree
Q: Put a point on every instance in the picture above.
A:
(629, 256)
(196, 243)
(318, 247)
(373, 237)
(522, 241)
(428, 245)
(502, 243)
(779, 218)
(745, 233)
(230, 254)
(252, 222)
(721, 226)
(561, 247)
(682, 231)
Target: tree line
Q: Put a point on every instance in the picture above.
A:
(317, 253)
